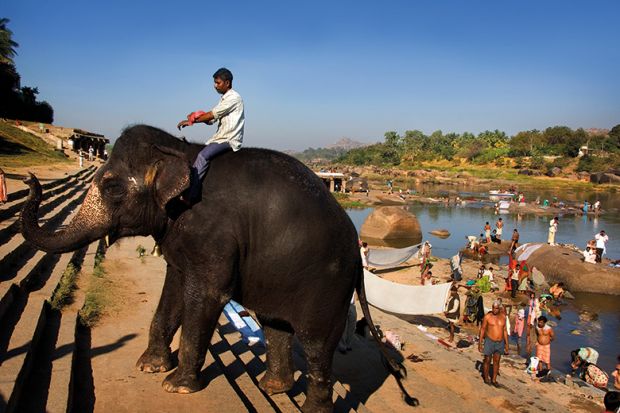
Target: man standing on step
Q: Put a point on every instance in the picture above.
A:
(231, 121)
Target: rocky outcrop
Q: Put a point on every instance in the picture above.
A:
(555, 171)
(392, 222)
(604, 178)
(561, 264)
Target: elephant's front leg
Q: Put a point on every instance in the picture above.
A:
(199, 320)
(166, 321)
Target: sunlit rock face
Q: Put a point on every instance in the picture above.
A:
(391, 222)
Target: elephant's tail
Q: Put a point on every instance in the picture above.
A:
(396, 369)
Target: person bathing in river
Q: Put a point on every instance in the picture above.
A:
(494, 337)
(544, 336)
(499, 228)
(487, 232)
(557, 291)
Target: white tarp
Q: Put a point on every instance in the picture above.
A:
(405, 299)
(525, 250)
(391, 257)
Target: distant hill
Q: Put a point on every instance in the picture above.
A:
(346, 143)
(328, 153)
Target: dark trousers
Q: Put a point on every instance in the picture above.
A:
(201, 164)
(514, 285)
(599, 254)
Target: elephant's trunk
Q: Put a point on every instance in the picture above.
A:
(88, 225)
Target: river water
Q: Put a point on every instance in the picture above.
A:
(591, 320)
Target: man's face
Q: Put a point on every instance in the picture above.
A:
(541, 323)
(495, 310)
(221, 86)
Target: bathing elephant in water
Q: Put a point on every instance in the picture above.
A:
(266, 233)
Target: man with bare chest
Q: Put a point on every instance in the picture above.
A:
(544, 336)
(494, 337)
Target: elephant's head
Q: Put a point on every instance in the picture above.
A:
(128, 195)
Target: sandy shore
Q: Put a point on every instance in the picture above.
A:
(454, 371)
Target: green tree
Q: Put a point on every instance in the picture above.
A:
(7, 44)
(495, 139)
(525, 143)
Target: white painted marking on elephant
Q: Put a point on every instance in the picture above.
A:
(132, 179)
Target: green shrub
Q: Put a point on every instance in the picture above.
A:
(537, 162)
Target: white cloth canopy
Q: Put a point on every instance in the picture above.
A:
(405, 299)
(525, 250)
(391, 257)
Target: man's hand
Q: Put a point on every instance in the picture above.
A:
(480, 346)
(506, 349)
(182, 124)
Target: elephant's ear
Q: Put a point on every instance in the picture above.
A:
(169, 176)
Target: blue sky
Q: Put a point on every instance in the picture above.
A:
(313, 72)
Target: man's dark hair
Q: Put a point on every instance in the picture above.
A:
(542, 318)
(612, 401)
(224, 74)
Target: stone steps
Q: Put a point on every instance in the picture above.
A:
(9, 226)
(16, 199)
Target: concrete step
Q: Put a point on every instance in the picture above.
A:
(235, 371)
(14, 262)
(65, 348)
(10, 226)
(17, 199)
(23, 193)
(250, 357)
(27, 335)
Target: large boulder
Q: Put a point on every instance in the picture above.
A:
(566, 265)
(555, 171)
(391, 222)
(604, 178)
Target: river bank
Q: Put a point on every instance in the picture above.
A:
(592, 324)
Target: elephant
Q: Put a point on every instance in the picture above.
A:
(266, 232)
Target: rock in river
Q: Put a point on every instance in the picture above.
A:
(441, 233)
(391, 222)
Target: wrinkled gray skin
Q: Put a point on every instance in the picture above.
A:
(266, 233)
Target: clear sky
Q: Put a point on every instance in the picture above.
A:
(312, 72)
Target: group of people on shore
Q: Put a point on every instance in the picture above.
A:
(501, 324)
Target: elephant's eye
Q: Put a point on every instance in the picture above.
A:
(114, 188)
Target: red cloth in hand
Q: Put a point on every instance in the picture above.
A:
(194, 115)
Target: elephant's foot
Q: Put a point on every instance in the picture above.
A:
(151, 362)
(176, 383)
(271, 384)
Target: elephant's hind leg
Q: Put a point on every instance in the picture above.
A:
(280, 367)
(166, 321)
(319, 392)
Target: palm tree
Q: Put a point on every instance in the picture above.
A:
(7, 44)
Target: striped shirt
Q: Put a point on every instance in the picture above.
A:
(231, 120)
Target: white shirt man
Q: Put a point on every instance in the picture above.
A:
(231, 120)
(601, 241)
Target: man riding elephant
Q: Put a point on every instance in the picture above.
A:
(231, 121)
